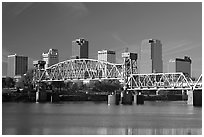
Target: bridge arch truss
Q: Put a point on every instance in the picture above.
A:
(80, 69)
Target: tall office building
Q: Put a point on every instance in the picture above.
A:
(107, 55)
(51, 57)
(17, 65)
(151, 56)
(180, 65)
(80, 48)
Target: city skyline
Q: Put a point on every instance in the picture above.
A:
(32, 28)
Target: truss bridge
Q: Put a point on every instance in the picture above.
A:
(79, 69)
(162, 81)
(91, 69)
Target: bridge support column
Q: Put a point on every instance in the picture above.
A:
(114, 99)
(195, 97)
(157, 92)
(126, 97)
(184, 95)
(54, 97)
(138, 99)
(37, 94)
(41, 96)
(111, 99)
(117, 99)
(190, 97)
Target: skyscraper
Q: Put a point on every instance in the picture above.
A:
(151, 56)
(17, 65)
(51, 57)
(80, 48)
(107, 55)
(180, 65)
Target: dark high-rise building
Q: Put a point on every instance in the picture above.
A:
(151, 56)
(180, 65)
(80, 48)
(17, 65)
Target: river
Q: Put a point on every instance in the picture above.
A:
(94, 118)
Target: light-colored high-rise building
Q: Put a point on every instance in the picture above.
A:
(151, 56)
(17, 65)
(51, 57)
(107, 55)
(180, 65)
(80, 48)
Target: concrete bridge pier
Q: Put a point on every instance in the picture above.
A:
(41, 94)
(54, 97)
(37, 98)
(114, 99)
(111, 99)
(184, 95)
(126, 97)
(157, 92)
(195, 97)
(190, 97)
(138, 98)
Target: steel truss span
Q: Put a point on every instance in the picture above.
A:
(162, 81)
(79, 69)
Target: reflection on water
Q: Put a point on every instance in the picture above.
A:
(105, 131)
(100, 119)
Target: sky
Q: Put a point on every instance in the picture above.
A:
(30, 29)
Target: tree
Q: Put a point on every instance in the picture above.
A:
(29, 78)
(68, 85)
(59, 85)
(20, 83)
(107, 86)
(26, 80)
(9, 82)
(74, 87)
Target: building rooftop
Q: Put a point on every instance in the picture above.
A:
(16, 55)
(51, 51)
(106, 51)
(186, 58)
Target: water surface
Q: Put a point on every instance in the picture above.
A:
(98, 118)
